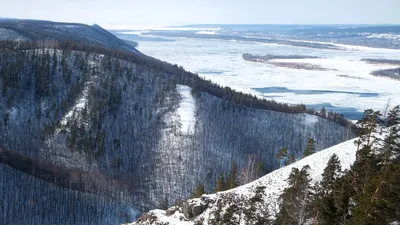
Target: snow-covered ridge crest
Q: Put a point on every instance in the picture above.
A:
(216, 205)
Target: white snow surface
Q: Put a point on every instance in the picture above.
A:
(206, 32)
(186, 110)
(175, 218)
(310, 119)
(78, 107)
(275, 182)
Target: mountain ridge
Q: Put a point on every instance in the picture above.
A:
(34, 30)
(206, 209)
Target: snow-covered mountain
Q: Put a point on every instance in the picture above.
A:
(234, 206)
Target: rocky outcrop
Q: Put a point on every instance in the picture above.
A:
(193, 209)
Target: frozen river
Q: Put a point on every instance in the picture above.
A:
(347, 88)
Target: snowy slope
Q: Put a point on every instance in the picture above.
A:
(214, 206)
(186, 110)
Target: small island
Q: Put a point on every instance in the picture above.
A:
(381, 61)
(391, 73)
(292, 65)
(347, 76)
(268, 57)
(300, 66)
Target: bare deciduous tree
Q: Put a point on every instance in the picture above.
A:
(251, 171)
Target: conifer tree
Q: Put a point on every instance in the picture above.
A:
(310, 148)
(259, 169)
(220, 183)
(291, 159)
(295, 199)
(331, 172)
(391, 149)
(366, 126)
(198, 192)
(283, 152)
(366, 164)
(323, 112)
(232, 180)
(342, 193)
(379, 200)
(325, 211)
(164, 203)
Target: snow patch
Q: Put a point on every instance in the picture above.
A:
(173, 219)
(14, 113)
(186, 110)
(78, 107)
(310, 119)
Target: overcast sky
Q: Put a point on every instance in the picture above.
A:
(180, 12)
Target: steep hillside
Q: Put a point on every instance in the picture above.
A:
(38, 30)
(150, 125)
(243, 204)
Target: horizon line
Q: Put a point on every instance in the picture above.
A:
(213, 24)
